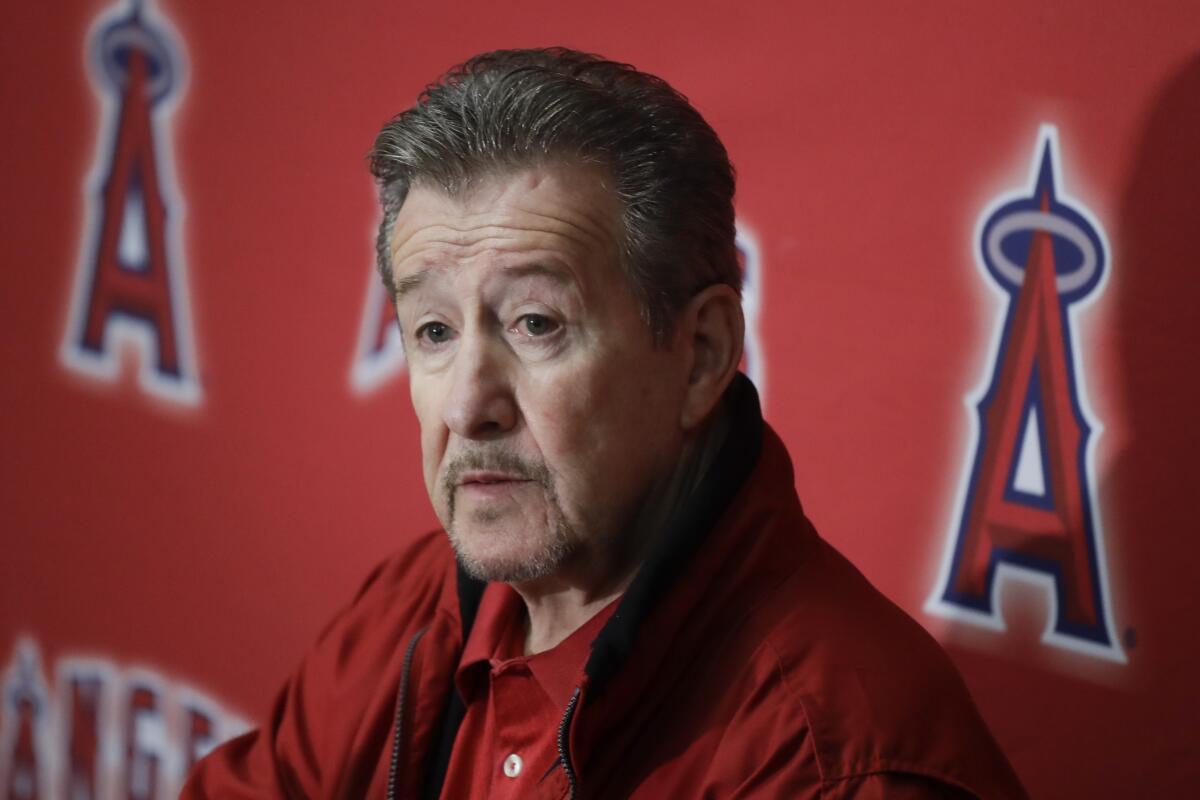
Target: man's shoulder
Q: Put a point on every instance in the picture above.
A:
(827, 612)
(331, 720)
(878, 693)
(419, 573)
(403, 593)
(411, 590)
(421, 563)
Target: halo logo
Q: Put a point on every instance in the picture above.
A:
(130, 281)
(1026, 510)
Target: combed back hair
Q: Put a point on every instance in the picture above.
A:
(512, 109)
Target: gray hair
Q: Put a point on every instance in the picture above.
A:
(511, 109)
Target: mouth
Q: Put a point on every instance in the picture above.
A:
(490, 483)
(485, 478)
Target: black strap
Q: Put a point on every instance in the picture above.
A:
(684, 532)
(439, 757)
(470, 592)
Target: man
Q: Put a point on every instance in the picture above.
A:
(627, 599)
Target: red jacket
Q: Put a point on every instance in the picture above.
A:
(747, 659)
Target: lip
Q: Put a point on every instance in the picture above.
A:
(485, 479)
(486, 485)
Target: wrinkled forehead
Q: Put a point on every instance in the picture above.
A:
(565, 211)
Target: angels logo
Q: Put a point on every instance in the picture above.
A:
(130, 282)
(103, 732)
(1027, 507)
(381, 354)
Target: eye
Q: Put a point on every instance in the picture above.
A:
(434, 332)
(536, 325)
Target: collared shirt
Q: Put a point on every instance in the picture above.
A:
(507, 742)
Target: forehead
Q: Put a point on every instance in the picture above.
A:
(566, 213)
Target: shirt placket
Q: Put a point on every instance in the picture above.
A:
(518, 748)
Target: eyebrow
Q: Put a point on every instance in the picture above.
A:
(410, 283)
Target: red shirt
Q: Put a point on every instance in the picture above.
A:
(507, 742)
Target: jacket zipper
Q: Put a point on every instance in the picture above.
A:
(564, 754)
(400, 693)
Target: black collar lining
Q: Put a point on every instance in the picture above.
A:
(685, 532)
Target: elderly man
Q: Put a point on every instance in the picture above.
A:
(627, 599)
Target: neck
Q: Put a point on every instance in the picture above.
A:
(558, 605)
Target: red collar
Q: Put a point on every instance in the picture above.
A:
(497, 639)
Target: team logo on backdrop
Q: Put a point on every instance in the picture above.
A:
(130, 283)
(101, 732)
(1026, 509)
(380, 353)
(754, 362)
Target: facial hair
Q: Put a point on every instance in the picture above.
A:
(559, 543)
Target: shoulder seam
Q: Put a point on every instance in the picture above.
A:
(801, 700)
(893, 766)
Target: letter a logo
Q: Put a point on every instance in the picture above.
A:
(1027, 511)
(130, 281)
(380, 352)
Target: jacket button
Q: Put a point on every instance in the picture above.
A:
(512, 765)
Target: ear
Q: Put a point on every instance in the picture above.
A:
(712, 327)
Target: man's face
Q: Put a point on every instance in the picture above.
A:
(547, 414)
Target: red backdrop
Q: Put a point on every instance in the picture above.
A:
(174, 537)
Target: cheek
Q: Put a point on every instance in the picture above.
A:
(552, 415)
(592, 423)
(431, 458)
(433, 431)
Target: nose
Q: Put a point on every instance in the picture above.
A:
(480, 403)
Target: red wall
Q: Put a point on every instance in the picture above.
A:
(171, 546)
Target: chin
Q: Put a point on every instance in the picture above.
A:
(500, 556)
